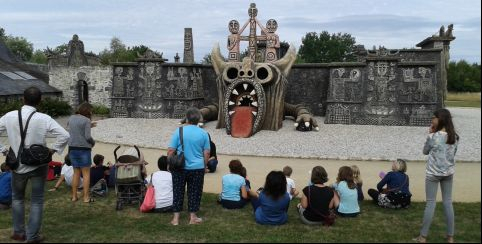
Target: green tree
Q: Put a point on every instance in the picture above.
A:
(326, 48)
(39, 57)
(19, 46)
(207, 59)
(119, 52)
(463, 77)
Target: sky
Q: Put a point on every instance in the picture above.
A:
(160, 24)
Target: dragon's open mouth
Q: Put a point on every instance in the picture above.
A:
(243, 109)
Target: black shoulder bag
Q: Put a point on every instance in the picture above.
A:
(35, 155)
(176, 161)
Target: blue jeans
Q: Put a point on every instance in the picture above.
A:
(19, 184)
(431, 188)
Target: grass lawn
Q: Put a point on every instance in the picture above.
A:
(100, 222)
(463, 100)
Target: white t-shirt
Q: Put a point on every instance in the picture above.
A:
(68, 173)
(162, 182)
(290, 184)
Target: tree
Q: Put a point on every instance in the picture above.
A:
(326, 48)
(463, 77)
(39, 57)
(19, 46)
(119, 52)
(207, 59)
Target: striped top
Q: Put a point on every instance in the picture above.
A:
(441, 156)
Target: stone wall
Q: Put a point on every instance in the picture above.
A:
(87, 83)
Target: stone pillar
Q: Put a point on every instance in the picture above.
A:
(441, 41)
(188, 46)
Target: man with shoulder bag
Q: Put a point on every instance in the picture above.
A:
(28, 157)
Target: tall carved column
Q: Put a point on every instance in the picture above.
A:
(441, 41)
(188, 46)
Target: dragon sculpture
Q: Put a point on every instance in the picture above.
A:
(252, 96)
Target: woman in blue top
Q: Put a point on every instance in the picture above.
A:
(272, 203)
(196, 154)
(346, 194)
(397, 193)
(234, 192)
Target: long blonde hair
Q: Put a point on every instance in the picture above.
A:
(356, 174)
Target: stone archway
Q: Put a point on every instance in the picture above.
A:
(83, 91)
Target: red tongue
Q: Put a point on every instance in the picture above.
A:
(242, 122)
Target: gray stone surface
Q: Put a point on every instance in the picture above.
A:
(72, 80)
(333, 141)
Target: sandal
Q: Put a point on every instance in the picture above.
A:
(90, 200)
(420, 239)
(196, 221)
(450, 239)
(74, 199)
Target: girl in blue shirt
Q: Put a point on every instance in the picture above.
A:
(346, 194)
(234, 192)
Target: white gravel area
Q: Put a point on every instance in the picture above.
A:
(345, 142)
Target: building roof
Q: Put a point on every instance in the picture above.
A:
(16, 76)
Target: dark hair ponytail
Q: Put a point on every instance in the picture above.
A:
(445, 121)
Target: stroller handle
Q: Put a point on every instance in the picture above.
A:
(117, 148)
(115, 153)
(138, 152)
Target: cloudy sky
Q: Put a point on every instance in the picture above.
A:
(160, 24)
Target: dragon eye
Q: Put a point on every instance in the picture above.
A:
(232, 73)
(262, 73)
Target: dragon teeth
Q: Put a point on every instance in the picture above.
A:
(254, 104)
(253, 92)
(254, 113)
(231, 103)
(235, 92)
(231, 113)
(245, 86)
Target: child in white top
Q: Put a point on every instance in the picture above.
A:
(290, 183)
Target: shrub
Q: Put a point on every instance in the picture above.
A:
(100, 109)
(55, 108)
(9, 106)
(52, 107)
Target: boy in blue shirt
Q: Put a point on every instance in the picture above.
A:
(5, 187)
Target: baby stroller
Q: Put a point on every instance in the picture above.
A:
(129, 178)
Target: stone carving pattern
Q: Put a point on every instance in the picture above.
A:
(345, 88)
(418, 89)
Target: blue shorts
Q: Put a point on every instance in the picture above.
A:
(81, 158)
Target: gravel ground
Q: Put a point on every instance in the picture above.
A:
(345, 142)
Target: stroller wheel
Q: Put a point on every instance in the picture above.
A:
(118, 206)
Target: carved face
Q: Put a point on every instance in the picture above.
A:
(252, 11)
(271, 26)
(234, 26)
(251, 95)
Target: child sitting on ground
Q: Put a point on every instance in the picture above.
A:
(162, 182)
(397, 193)
(67, 175)
(346, 195)
(244, 174)
(290, 183)
(5, 187)
(98, 171)
(358, 182)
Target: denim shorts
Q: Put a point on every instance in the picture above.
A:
(80, 158)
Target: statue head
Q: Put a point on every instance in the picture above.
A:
(75, 37)
(233, 26)
(271, 25)
(252, 11)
